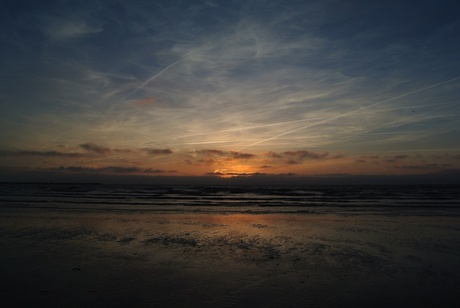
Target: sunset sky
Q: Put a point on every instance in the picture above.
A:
(228, 88)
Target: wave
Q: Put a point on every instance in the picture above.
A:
(222, 198)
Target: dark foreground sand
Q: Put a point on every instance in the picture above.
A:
(107, 259)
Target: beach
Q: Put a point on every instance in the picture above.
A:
(90, 258)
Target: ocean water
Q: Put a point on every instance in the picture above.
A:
(299, 199)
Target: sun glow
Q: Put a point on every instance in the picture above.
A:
(235, 171)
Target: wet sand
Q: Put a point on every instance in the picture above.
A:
(124, 259)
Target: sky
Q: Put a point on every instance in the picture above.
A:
(228, 89)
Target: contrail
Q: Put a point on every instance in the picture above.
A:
(149, 80)
(349, 113)
(399, 96)
(51, 140)
(279, 135)
(233, 129)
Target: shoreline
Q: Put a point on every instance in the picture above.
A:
(384, 211)
(236, 259)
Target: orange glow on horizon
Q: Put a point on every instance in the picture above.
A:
(228, 171)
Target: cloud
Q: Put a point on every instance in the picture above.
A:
(410, 162)
(91, 147)
(243, 174)
(242, 156)
(116, 169)
(305, 154)
(395, 158)
(112, 169)
(42, 153)
(425, 166)
(102, 150)
(369, 156)
(210, 152)
(158, 151)
(297, 157)
(446, 156)
(149, 170)
(65, 29)
(265, 167)
(217, 157)
(230, 155)
(400, 157)
(274, 155)
(272, 76)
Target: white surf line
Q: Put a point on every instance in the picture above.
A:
(350, 112)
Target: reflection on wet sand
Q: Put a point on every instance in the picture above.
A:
(66, 258)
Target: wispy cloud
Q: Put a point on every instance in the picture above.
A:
(297, 157)
(112, 169)
(64, 29)
(217, 83)
(305, 154)
(211, 152)
(158, 151)
(226, 155)
(236, 174)
(239, 155)
(26, 153)
(91, 147)
(426, 167)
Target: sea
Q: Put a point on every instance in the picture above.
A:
(313, 199)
